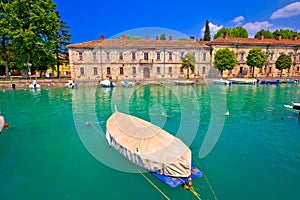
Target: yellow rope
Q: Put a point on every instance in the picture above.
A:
(191, 188)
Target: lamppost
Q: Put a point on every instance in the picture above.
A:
(29, 72)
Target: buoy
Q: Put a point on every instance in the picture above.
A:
(6, 125)
(227, 113)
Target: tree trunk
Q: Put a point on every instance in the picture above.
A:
(280, 73)
(188, 73)
(253, 72)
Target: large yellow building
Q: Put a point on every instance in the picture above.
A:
(123, 59)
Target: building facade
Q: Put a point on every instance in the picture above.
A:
(272, 47)
(123, 59)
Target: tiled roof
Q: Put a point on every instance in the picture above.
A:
(254, 41)
(119, 43)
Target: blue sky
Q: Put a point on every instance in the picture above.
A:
(88, 19)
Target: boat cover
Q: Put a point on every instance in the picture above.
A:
(148, 145)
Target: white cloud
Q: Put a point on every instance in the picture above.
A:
(290, 10)
(254, 27)
(212, 28)
(238, 20)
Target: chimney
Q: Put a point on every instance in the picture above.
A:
(124, 37)
(157, 38)
(261, 36)
(192, 38)
(170, 38)
(147, 37)
(278, 37)
(295, 37)
(101, 37)
(225, 35)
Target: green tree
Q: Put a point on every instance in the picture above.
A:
(136, 38)
(206, 32)
(63, 39)
(4, 37)
(284, 61)
(285, 33)
(33, 26)
(221, 32)
(183, 39)
(225, 59)
(162, 36)
(256, 58)
(188, 62)
(238, 32)
(266, 33)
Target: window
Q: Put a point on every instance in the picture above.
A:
(133, 55)
(271, 56)
(170, 56)
(260, 70)
(94, 56)
(95, 71)
(157, 55)
(81, 71)
(107, 55)
(270, 69)
(121, 70)
(158, 70)
(80, 56)
(203, 56)
(170, 70)
(121, 55)
(108, 70)
(298, 56)
(146, 56)
(133, 70)
(203, 70)
(298, 69)
(181, 70)
(181, 55)
(242, 54)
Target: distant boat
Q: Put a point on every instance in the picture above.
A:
(71, 84)
(107, 83)
(127, 83)
(184, 82)
(222, 82)
(150, 147)
(34, 85)
(268, 82)
(295, 106)
(250, 81)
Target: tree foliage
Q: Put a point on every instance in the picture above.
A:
(188, 62)
(206, 32)
(284, 61)
(225, 59)
(256, 58)
(33, 27)
(285, 33)
(236, 32)
(63, 38)
(266, 33)
(163, 36)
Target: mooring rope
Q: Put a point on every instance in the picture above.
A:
(208, 183)
(190, 188)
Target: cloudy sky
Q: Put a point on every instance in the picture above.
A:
(88, 19)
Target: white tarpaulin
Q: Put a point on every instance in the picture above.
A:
(148, 145)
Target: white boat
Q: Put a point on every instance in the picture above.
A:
(107, 83)
(222, 82)
(71, 84)
(150, 147)
(295, 106)
(127, 83)
(34, 85)
(184, 82)
(251, 81)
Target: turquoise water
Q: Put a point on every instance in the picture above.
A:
(50, 152)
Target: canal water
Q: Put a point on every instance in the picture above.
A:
(55, 146)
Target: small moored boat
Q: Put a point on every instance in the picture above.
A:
(222, 82)
(152, 148)
(34, 85)
(250, 81)
(184, 82)
(107, 83)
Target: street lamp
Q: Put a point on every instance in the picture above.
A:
(28, 65)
